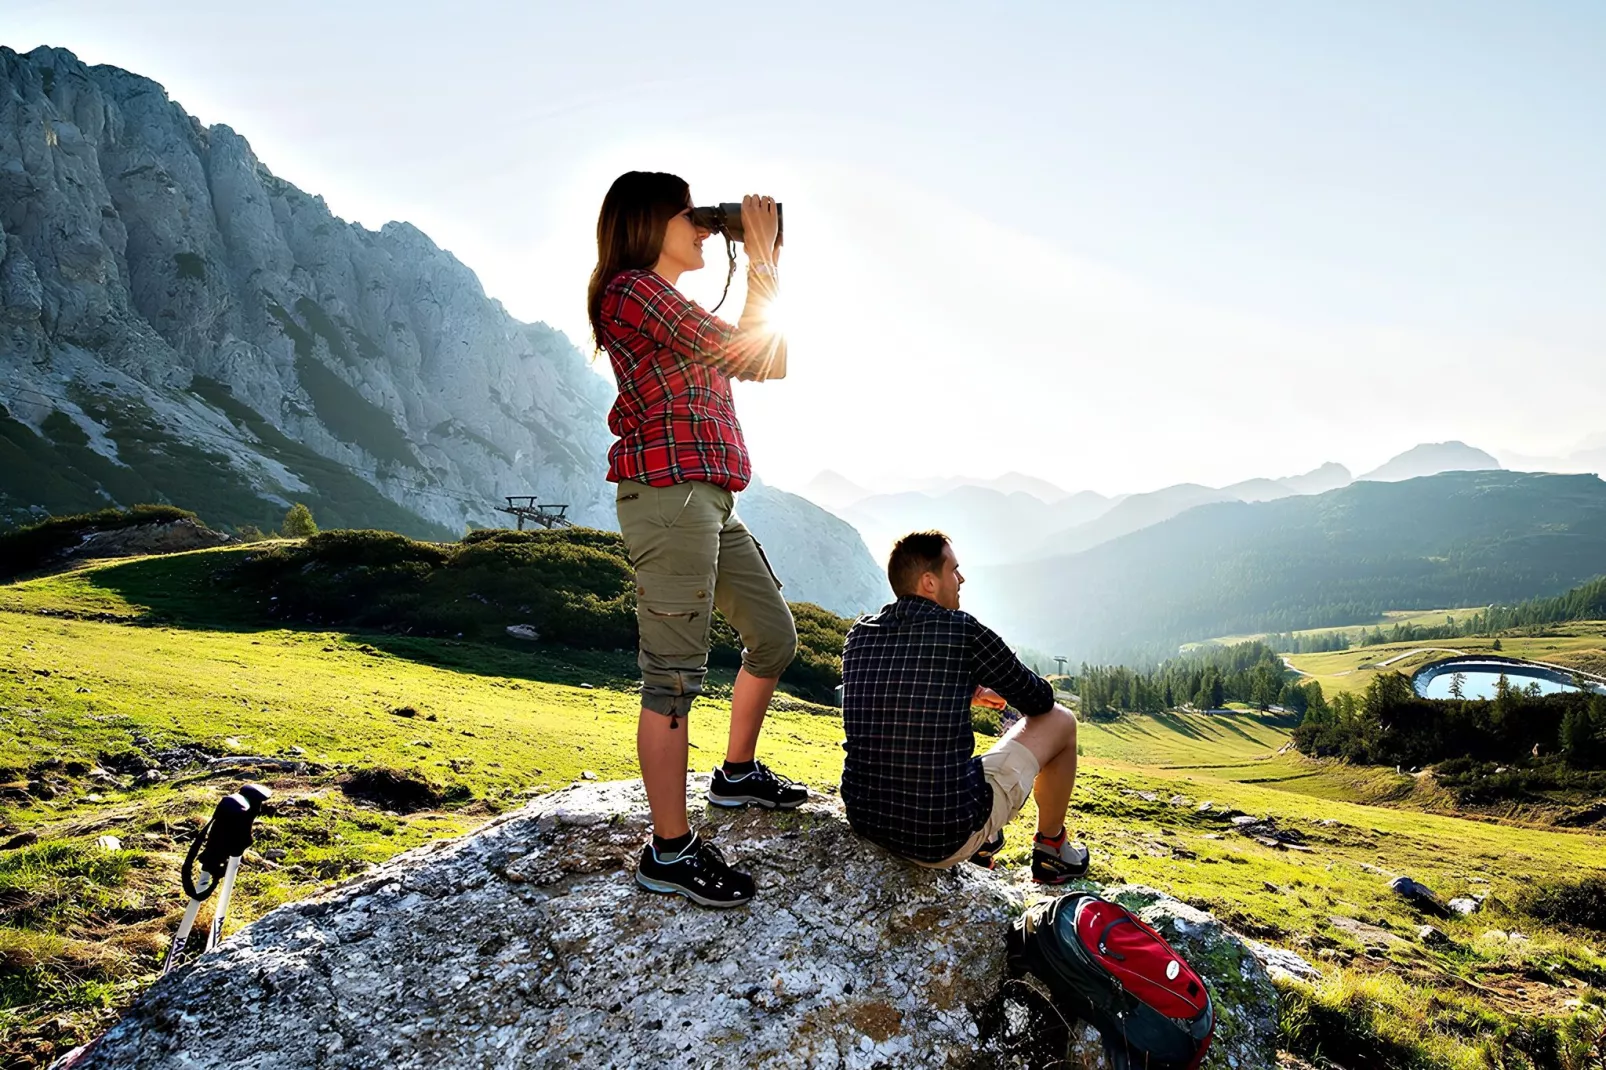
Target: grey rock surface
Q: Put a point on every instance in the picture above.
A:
(158, 283)
(528, 944)
(1282, 964)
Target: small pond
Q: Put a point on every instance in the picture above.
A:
(1480, 675)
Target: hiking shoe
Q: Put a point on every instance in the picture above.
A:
(1051, 865)
(762, 787)
(699, 872)
(987, 853)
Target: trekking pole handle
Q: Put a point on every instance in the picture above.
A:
(225, 836)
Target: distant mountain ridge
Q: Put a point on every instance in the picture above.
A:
(1431, 458)
(1022, 518)
(1343, 557)
(178, 324)
(992, 525)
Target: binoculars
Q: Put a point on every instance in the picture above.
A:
(726, 219)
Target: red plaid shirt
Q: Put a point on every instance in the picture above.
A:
(673, 361)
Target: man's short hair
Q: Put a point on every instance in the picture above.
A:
(912, 556)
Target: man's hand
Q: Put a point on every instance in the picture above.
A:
(989, 698)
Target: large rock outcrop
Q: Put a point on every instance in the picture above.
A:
(528, 944)
(179, 324)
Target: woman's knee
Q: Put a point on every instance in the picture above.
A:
(770, 649)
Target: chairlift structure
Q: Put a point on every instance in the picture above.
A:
(526, 507)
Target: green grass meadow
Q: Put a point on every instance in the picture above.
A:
(109, 671)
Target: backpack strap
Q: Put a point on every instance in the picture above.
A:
(1104, 934)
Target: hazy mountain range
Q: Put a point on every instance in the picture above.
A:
(178, 324)
(1460, 538)
(1020, 518)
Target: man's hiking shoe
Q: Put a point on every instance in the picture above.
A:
(699, 872)
(762, 787)
(1051, 865)
(987, 853)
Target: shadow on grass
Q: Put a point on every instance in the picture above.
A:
(1285, 722)
(1178, 724)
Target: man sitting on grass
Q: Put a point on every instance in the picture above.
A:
(909, 676)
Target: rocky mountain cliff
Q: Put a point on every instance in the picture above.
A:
(178, 324)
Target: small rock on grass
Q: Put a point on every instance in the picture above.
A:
(1432, 937)
(109, 843)
(1419, 894)
(1281, 964)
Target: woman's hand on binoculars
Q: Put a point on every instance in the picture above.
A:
(759, 227)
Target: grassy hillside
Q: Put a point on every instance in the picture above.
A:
(1340, 558)
(573, 585)
(1389, 619)
(122, 686)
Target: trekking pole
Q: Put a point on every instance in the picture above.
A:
(218, 847)
(255, 795)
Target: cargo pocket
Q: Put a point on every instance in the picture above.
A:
(674, 614)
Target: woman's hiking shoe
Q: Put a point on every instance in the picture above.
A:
(1059, 860)
(762, 787)
(987, 853)
(698, 872)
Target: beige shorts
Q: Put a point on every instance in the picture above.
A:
(693, 555)
(1011, 769)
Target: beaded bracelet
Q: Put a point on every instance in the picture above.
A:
(759, 267)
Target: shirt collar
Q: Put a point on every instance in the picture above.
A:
(914, 605)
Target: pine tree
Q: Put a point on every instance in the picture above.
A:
(298, 522)
(1457, 691)
(1575, 735)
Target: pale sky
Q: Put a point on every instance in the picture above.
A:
(1115, 246)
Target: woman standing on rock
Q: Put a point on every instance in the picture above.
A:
(679, 462)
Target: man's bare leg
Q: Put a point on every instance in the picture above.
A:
(750, 700)
(1051, 737)
(661, 750)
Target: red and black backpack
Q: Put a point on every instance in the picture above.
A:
(1106, 967)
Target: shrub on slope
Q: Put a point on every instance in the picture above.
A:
(574, 585)
(32, 547)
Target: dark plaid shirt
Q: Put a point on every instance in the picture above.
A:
(910, 782)
(673, 361)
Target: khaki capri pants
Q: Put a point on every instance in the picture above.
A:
(692, 555)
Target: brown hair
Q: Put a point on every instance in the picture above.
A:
(630, 230)
(912, 556)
